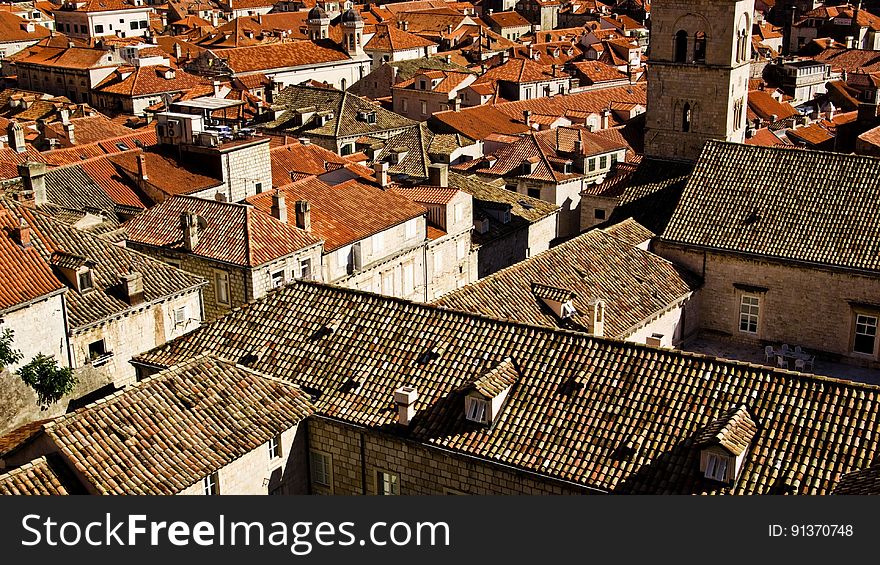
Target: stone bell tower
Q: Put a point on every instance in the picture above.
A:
(698, 75)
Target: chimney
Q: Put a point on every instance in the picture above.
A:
(438, 175)
(178, 51)
(216, 88)
(16, 137)
(33, 175)
(70, 45)
(849, 41)
(303, 215)
(132, 284)
(527, 118)
(449, 29)
(142, 167)
(381, 170)
(596, 317)
(22, 234)
(69, 132)
(64, 113)
(189, 223)
(606, 119)
(279, 206)
(405, 398)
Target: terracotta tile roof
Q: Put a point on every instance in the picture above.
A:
(635, 285)
(518, 70)
(764, 137)
(813, 135)
(842, 59)
(87, 130)
(448, 80)
(165, 171)
(105, 6)
(104, 300)
(11, 440)
(630, 232)
(170, 430)
(234, 233)
(25, 275)
(507, 19)
(733, 430)
(480, 122)
(346, 212)
(294, 159)
(496, 379)
(42, 476)
(765, 106)
(806, 206)
(577, 401)
(81, 152)
(424, 194)
(148, 80)
(592, 72)
(280, 55)
(14, 28)
(416, 142)
(388, 38)
(72, 188)
(65, 57)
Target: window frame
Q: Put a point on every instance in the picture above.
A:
(327, 462)
(380, 482)
(856, 333)
(275, 450)
(476, 410)
(756, 314)
(714, 462)
(222, 276)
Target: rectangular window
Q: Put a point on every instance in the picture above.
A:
(221, 288)
(258, 187)
(476, 409)
(211, 485)
(458, 211)
(322, 468)
(410, 228)
(408, 279)
(305, 269)
(145, 24)
(613, 158)
(866, 334)
(404, 104)
(99, 28)
(85, 281)
(424, 108)
(748, 313)
(180, 315)
(534, 192)
(603, 161)
(592, 164)
(388, 283)
(386, 484)
(438, 262)
(716, 468)
(277, 279)
(600, 214)
(275, 447)
(98, 352)
(134, 25)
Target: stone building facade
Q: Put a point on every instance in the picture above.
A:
(698, 75)
(816, 308)
(417, 469)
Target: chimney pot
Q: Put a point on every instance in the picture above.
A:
(15, 133)
(142, 167)
(279, 206)
(33, 175)
(22, 234)
(303, 215)
(381, 170)
(189, 223)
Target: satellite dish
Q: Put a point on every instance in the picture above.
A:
(202, 222)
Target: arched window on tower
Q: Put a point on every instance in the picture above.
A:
(686, 118)
(700, 47)
(681, 46)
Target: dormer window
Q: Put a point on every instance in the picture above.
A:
(723, 444)
(486, 394)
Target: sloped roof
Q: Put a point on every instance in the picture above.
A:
(346, 212)
(42, 476)
(576, 394)
(147, 80)
(806, 206)
(734, 431)
(279, 55)
(234, 233)
(635, 284)
(389, 38)
(169, 431)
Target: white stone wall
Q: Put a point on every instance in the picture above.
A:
(374, 249)
(341, 74)
(255, 473)
(134, 333)
(674, 325)
(246, 167)
(9, 48)
(39, 328)
(261, 277)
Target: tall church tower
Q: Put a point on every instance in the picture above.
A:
(698, 75)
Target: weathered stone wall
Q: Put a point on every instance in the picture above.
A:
(420, 469)
(811, 307)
